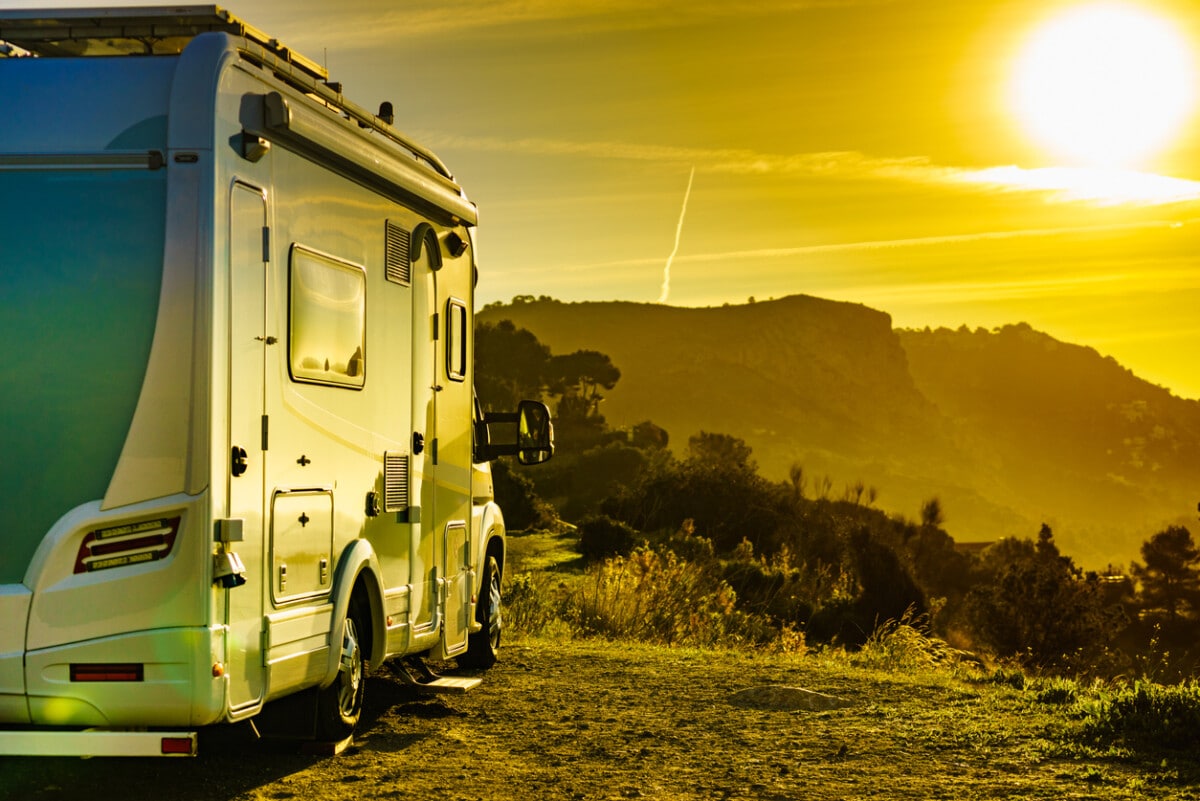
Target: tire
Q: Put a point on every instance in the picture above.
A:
(483, 647)
(339, 705)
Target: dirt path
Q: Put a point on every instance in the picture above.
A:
(606, 721)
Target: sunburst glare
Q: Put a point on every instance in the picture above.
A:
(1104, 85)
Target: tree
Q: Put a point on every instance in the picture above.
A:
(1032, 601)
(511, 364)
(1170, 578)
(648, 436)
(932, 515)
(720, 449)
(578, 377)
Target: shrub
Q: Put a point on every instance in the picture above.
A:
(903, 644)
(1057, 690)
(654, 596)
(601, 536)
(528, 605)
(1148, 714)
(1033, 603)
(523, 507)
(1006, 676)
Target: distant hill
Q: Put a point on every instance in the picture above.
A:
(1009, 429)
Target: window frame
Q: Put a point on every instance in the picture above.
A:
(453, 304)
(334, 262)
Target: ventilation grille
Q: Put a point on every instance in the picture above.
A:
(397, 263)
(395, 482)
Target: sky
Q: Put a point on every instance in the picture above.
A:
(950, 162)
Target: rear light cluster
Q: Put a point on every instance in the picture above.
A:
(128, 544)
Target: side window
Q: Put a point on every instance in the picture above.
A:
(456, 340)
(327, 315)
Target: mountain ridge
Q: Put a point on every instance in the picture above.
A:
(988, 422)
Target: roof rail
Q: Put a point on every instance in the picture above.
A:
(166, 30)
(161, 30)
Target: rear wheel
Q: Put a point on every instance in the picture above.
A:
(483, 647)
(339, 705)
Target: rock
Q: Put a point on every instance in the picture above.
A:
(781, 696)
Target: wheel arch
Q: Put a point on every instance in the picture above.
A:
(358, 572)
(492, 540)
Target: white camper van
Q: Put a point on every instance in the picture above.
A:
(241, 452)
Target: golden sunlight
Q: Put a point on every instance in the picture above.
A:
(1104, 84)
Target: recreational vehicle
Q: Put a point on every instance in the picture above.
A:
(243, 457)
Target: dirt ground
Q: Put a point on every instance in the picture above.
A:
(595, 720)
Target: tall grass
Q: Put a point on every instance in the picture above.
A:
(903, 644)
(1146, 714)
(529, 605)
(654, 596)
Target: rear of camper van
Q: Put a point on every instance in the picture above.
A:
(243, 458)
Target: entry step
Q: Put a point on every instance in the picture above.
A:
(414, 672)
(448, 685)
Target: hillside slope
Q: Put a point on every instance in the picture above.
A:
(1071, 432)
(1008, 429)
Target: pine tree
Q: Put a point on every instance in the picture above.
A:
(1170, 579)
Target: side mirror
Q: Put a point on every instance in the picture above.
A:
(527, 433)
(535, 432)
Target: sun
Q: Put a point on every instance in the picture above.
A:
(1104, 85)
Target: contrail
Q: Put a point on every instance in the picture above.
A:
(666, 284)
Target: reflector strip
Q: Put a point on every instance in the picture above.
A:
(179, 745)
(102, 671)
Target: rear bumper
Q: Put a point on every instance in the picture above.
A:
(97, 743)
(171, 683)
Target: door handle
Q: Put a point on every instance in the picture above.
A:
(238, 464)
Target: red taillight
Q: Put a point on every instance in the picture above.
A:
(108, 671)
(128, 544)
(177, 745)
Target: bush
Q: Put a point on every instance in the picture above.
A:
(654, 596)
(523, 507)
(1032, 603)
(1148, 714)
(529, 607)
(903, 644)
(1057, 690)
(726, 502)
(601, 536)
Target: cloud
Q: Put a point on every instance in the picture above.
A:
(1102, 187)
(883, 244)
(712, 160)
(1106, 187)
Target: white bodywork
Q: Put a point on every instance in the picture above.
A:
(303, 414)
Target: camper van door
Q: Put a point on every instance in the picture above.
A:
(247, 356)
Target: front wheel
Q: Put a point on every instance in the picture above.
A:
(339, 705)
(483, 646)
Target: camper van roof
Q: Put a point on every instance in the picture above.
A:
(164, 30)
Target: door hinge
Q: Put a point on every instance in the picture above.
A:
(264, 432)
(266, 245)
(436, 328)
